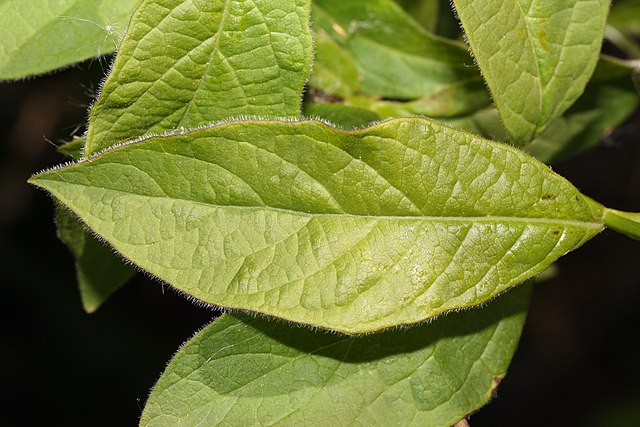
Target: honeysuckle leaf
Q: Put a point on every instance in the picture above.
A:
(625, 16)
(42, 35)
(334, 71)
(536, 57)
(425, 12)
(352, 231)
(245, 371)
(99, 271)
(72, 148)
(184, 63)
(342, 115)
(396, 58)
(608, 100)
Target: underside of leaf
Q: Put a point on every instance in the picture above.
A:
(245, 371)
(351, 231)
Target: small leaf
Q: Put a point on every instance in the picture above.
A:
(99, 271)
(536, 57)
(42, 35)
(625, 16)
(608, 100)
(395, 56)
(425, 12)
(186, 63)
(351, 231)
(245, 371)
(72, 148)
(342, 115)
(333, 72)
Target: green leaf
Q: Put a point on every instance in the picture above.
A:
(625, 16)
(42, 35)
(98, 270)
(608, 100)
(454, 100)
(342, 115)
(536, 57)
(334, 72)
(72, 148)
(186, 63)
(394, 55)
(425, 12)
(245, 371)
(351, 231)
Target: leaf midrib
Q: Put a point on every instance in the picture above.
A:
(595, 225)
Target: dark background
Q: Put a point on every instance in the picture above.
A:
(577, 363)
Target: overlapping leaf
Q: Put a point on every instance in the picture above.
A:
(98, 270)
(176, 20)
(352, 231)
(608, 100)
(186, 63)
(244, 371)
(396, 58)
(536, 57)
(41, 35)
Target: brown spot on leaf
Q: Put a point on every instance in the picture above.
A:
(462, 423)
(494, 388)
(548, 196)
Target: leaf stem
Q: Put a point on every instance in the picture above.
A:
(627, 223)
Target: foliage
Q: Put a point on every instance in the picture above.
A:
(202, 167)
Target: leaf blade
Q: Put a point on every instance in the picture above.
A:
(536, 57)
(225, 232)
(184, 64)
(98, 270)
(290, 376)
(39, 36)
(396, 58)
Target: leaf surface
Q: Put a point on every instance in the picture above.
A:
(42, 35)
(536, 56)
(99, 271)
(625, 16)
(245, 371)
(334, 71)
(344, 116)
(185, 63)
(396, 58)
(608, 100)
(352, 231)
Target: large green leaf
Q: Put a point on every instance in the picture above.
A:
(536, 57)
(99, 271)
(395, 56)
(352, 231)
(244, 371)
(184, 63)
(37, 36)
